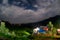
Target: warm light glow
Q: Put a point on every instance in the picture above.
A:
(35, 30)
(58, 30)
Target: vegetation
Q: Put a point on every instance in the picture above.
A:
(13, 35)
(57, 23)
(50, 25)
(24, 33)
(51, 34)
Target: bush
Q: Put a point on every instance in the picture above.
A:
(16, 35)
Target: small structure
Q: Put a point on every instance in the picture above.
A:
(45, 28)
(35, 30)
(41, 29)
(58, 31)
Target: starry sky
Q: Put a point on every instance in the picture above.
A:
(28, 11)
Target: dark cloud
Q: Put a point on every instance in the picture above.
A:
(28, 11)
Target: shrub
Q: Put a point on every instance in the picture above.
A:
(16, 35)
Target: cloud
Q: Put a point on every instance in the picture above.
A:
(29, 13)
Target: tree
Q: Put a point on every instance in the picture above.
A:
(50, 25)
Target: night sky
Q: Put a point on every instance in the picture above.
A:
(28, 11)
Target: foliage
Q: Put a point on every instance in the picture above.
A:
(57, 23)
(50, 25)
(4, 32)
(23, 34)
(13, 35)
